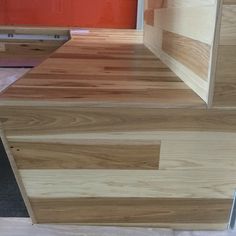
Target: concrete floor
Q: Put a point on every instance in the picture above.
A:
(23, 227)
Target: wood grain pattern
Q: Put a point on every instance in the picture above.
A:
(125, 183)
(91, 156)
(198, 154)
(131, 210)
(72, 120)
(89, 127)
(121, 70)
(181, 18)
(225, 84)
(194, 54)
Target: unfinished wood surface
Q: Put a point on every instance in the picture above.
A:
(71, 120)
(131, 210)
(225, 81)
(198, 154)
(193, 54)
(103, 124)
(121, 70)
(86, 156)
(187, 27)
(126, 183)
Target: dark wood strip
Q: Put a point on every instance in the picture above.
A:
(82, 156)
(131, 210)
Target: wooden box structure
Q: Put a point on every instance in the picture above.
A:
(119, 129)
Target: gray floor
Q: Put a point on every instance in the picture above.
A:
(11, 203)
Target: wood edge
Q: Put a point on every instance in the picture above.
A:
(17, 175)
(214, 53)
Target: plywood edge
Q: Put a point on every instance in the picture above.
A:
(17, 174)
(214, 54)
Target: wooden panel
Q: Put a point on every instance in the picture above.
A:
(184, 20)
(225, 82)
(125, 183)
(126, 155)
(198, 154)
(225, 86)
(149, 17)
(130, 210)
(71, 120)
(126, 72)
(191, 53)
(228, 25)
(181, 18)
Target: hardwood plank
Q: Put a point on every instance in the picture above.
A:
(71, 120)
(198, 154)
(126, 155)
(184, 21)
(120, 70)
(225, 85)
(129, 183)
(131, 210)
(192, 53)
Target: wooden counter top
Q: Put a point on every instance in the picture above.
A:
(104, 66)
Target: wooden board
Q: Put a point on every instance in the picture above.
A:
(116, 155)
(103, 132)
(121, 70)
(181, 33)
(224, 94)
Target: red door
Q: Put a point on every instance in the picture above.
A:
(78, 13)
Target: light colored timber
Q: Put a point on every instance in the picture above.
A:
(193, 54)
(125, 183)
(105, 133)
(224, 89)
(173, 30)
(64, 119)
(120, 72)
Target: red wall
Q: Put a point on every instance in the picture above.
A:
(81, 13)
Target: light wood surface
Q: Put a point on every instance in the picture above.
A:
(121, 70)
(103, 132)
(181, 33)
(224, 95)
